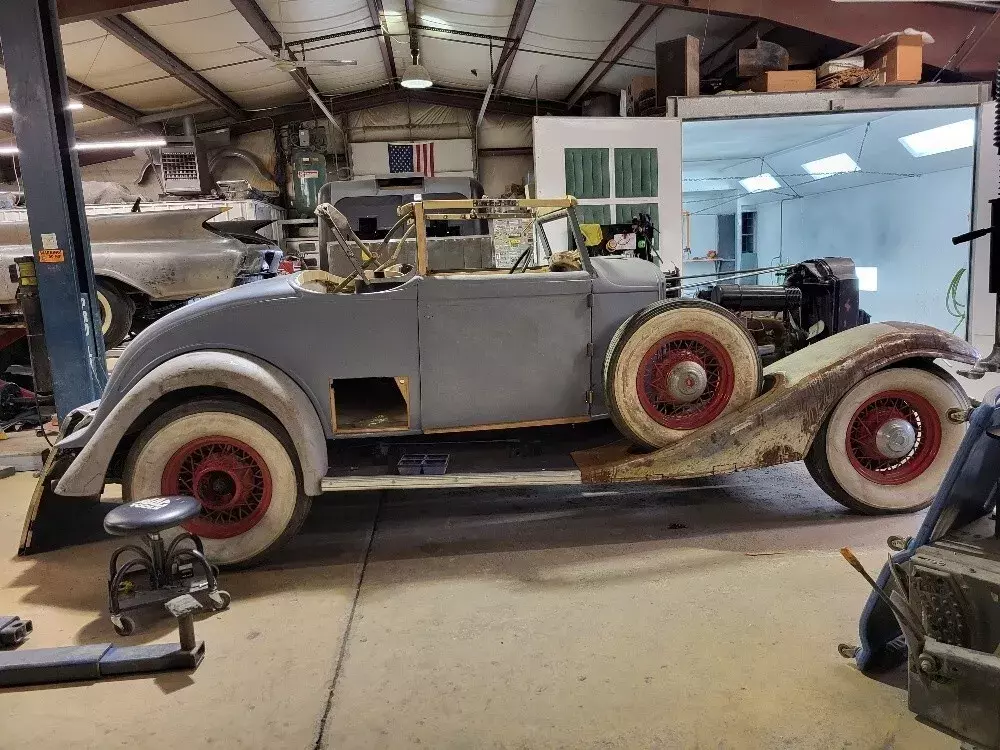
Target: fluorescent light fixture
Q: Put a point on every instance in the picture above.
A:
(939, 140)
(867, 278)
(97, 145)
(100, 145)
(831, 165)
(6, 109)
(760, 184)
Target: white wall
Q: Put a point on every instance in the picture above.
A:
(554, 134)
(704, 234)
(982, 304)
(903, 227)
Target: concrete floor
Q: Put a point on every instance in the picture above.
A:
(701, 616)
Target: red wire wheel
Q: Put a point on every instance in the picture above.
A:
(658, 363)
(228, 477)
(865, 456)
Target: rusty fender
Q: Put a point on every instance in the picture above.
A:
(779, 426)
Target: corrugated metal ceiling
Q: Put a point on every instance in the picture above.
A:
(561, 42)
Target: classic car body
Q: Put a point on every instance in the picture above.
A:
(149, 258)
(327, 361)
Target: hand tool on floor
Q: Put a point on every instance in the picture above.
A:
(101, 660)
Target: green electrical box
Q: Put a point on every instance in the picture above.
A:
(309, 175)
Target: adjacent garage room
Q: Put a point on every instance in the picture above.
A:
(513, 374)
(760, 192)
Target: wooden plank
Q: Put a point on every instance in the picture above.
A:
(421, 226)
(446, 481)
(507, 425)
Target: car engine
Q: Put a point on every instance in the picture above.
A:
(818, 299)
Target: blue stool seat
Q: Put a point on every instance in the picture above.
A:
(151, 515)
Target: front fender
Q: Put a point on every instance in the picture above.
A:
(240, 373)
(779, 426)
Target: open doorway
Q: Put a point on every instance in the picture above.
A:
(887, 189)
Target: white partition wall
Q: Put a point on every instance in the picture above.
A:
(615, 166)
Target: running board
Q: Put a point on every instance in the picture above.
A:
(447, 481)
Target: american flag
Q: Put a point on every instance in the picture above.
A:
(412, 157)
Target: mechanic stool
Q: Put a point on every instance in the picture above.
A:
(171, 569)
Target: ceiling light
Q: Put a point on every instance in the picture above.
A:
(939, 140)
(100, 145)
(416, 76)
(96, 145)
(831, 165)
(761, 183)
(6, 109)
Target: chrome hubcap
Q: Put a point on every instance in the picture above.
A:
(895, 438)
(686, 382)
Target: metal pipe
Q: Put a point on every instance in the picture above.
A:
(185, 629)
(249, 158)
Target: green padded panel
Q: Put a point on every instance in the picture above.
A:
(625, 212)
(594, 214)
(587, 172)
(636, 173)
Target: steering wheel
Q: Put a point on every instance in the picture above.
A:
(522, 257)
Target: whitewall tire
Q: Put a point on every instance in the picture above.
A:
(238, 461)
(888, 443)
(676, 367)
(117, 310)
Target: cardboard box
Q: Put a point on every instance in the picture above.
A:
(900, 60)
(784, 80)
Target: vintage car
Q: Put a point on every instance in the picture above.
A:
(260, 398)
(147, 263)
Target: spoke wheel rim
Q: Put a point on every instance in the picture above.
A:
(654, 371)
(876, 411)
(228, 477)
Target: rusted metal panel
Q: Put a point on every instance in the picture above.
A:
(780, 425)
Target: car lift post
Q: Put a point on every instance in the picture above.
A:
(36, 78)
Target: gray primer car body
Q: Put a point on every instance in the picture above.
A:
(164, 255)
(476, 349)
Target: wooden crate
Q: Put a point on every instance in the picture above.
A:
(784, 80)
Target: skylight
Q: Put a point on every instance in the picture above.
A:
(939, 140)
(761, 183)
(831, 165)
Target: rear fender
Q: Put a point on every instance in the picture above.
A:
(274, 390)
(780, 426)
